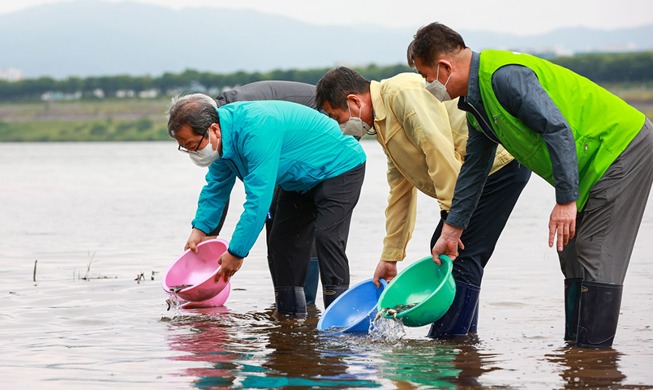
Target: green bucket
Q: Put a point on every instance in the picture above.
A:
(420, 294)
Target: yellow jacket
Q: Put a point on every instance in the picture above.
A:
(424, 140)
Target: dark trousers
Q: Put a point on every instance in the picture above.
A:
(323, 213)
(500, 194)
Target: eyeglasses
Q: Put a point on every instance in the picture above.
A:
(196, 149)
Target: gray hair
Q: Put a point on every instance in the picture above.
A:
(196, 110)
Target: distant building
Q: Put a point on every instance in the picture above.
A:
(11, 74)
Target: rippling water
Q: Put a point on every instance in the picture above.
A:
(97, 216)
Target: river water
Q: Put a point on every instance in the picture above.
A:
(88, 229)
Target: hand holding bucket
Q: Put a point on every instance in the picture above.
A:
(420, 294)
(192, 276)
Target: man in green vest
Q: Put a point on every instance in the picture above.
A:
(596, 150)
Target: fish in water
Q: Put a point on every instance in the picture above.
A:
(395, 310)
(176, 289)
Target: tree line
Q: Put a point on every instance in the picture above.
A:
(636, 67)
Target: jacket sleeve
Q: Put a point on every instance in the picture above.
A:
(519, 91)
(479, 159)
(399, 215)
(260, 151)
(214, 196)
(426, 123)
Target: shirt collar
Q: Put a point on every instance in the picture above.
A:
(473, 89)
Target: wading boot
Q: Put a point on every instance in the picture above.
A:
(331, 292)
(458, 319)
(310, 283)
(599, 314)
(290, 300)
(572, 307)
(474, 325)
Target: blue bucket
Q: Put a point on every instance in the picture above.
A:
(353, 310)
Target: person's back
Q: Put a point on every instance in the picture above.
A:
(302, 145)
(290, 91)
(417, 132)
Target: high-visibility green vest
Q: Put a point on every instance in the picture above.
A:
(602, 124)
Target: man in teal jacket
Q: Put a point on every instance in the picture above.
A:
(290, 91)
(266, 144)
(593, 147)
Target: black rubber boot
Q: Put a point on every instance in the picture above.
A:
(474, 325)
(290, 300)
(330, 293)
(310, 283)
(572, 307)
(599, 314)
(458, 319)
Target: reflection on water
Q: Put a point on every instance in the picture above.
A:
(583, 368)
(131, 204)
(260, 350)
(444, 364)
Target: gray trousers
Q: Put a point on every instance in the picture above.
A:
(607, 228)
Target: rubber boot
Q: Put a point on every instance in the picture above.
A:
(599, 314)
(290, 300)
(572, 307)
(458, 319)
(474, 325)
(310, 283)
(331, 292)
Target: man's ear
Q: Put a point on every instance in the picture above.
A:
(215, 129)
(354, 101)
(444, 65)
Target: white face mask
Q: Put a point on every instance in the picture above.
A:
(437, 89)
(205, 156)
(354, 126)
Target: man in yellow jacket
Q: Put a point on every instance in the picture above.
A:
(424, 140)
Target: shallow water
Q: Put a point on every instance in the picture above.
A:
(97, 216)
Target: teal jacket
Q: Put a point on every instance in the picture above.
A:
(267, 144)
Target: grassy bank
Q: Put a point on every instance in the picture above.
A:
(144, 119)
(89, 120)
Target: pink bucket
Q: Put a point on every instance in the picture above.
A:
(192, 275)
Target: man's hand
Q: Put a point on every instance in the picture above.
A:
(196, 236)
(384, 270)
(229, 265)
(448, 243)
(562, 224)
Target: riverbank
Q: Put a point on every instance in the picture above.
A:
(84, 120)
(144, 119)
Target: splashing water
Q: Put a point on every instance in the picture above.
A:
(387, 329)
(174, 301)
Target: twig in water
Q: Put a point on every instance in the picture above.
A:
(88, 267)
(34, 274)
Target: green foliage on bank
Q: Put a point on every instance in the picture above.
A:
(143, 129)
(611, 68)
(600, 67)
(77, 111)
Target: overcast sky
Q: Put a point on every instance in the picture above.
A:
(519, 16)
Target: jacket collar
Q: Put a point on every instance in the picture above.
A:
(473, 89)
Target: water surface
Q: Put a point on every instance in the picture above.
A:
(98, 215)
